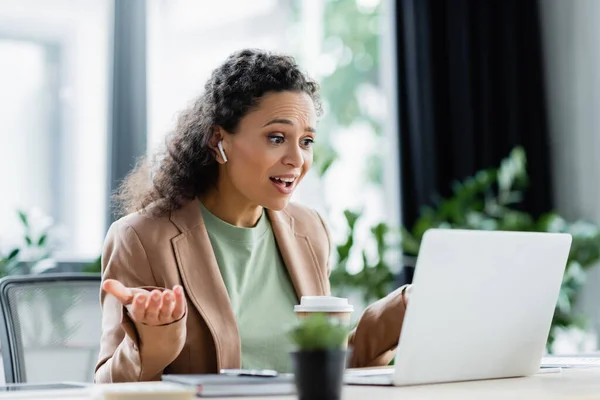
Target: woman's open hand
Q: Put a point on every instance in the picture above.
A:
(149, 307)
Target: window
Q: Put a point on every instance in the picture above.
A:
(53, 102)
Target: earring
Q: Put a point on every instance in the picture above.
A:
(220, 146)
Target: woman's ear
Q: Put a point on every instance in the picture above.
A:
(216, 143)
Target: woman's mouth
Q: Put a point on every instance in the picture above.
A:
(285, 184)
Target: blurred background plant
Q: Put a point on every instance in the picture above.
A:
(33, 251)
(351, 86)
(489, 200)
(377, 273)
(95, 266)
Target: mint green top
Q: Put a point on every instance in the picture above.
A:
(259, 288)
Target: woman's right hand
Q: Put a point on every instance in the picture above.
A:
(149, 307)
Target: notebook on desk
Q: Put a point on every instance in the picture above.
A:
(481, 307)
(213, 385)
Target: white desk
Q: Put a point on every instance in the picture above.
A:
(568, 384)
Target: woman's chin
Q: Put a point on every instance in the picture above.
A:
(277, 204)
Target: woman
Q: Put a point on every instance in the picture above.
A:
(204, 271)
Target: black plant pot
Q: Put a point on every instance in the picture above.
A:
(319, 374)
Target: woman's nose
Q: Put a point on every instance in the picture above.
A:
(294, 156)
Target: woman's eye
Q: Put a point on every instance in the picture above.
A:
(276, 139)
(308, 142)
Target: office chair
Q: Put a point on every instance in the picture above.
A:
(50, 327)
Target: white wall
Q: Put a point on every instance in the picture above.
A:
(571, 34)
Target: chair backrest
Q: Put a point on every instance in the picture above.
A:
(50, 327)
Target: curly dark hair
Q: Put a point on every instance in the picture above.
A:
(187, 168)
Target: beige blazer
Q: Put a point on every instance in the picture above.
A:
(142, 251)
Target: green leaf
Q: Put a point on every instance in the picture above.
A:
(13, 254)
(351, 218)
(514, 220)
(344, 250)
(42, 240)
(550, 222)
(28, 240)
(23, 218)
(380, 231)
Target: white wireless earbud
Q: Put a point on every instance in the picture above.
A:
(220, 146)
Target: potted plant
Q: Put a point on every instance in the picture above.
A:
(320, 357)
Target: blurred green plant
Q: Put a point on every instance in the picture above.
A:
(9, 261)
(35, 249)
(319, 332)
(490, 200)
(375, 278)
(351, 42)
(24, 260)
(95, 266)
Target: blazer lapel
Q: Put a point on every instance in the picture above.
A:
(297, 255)
(204, 284)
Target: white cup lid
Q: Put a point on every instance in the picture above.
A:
(323, 304)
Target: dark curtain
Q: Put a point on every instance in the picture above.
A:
(470, 89)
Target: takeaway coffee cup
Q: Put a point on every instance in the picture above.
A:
(333, 306)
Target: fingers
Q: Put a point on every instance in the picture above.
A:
(138, 307)
(159, 308)
(168, 305)
(180, 303)
(150, 308)
(153, 305)
(120, 291)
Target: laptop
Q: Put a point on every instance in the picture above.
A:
(481, 307)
